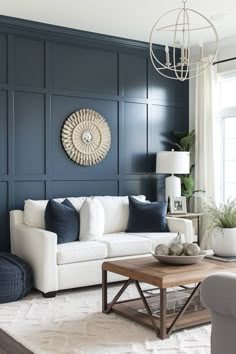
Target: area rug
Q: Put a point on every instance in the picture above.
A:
(73, 323)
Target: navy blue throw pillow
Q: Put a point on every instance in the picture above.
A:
(63, 219)
(147, 217)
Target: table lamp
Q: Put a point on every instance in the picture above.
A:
(173, 162)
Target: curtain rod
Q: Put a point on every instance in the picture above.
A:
(223, 61)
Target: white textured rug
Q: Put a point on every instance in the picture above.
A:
(73, 323)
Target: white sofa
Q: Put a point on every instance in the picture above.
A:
(77, 264)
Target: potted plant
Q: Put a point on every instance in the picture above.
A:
(221, 220)
(185, 142)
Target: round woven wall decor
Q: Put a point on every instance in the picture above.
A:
(86, 137)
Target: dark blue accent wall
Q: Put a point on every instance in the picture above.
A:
(46, 73)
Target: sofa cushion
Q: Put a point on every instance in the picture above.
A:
(122, 244)
(63, 219)
(147, 217)
(79, 251)
(157, 238)
(91, 220)
(34, 210)
(116, 211)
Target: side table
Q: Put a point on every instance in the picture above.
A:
(195, 217)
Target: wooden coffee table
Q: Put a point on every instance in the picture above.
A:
(150, 271)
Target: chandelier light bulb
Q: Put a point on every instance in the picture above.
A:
(167, 56)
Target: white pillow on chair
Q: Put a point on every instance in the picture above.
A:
(92, 220)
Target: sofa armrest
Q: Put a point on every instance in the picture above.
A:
(183, 226)
(39, 248)
(218, 293)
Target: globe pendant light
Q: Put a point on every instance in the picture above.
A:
(182, 28)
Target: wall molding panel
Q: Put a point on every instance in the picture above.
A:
(46, 73)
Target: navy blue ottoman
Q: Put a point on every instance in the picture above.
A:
(15, 278)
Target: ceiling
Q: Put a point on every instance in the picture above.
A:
(123, 18)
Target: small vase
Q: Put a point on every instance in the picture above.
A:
(224, 242)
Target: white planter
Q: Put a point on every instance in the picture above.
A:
(224, 242)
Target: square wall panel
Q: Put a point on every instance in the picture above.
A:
(84, 69)
(29, 133)
(28, 190)
(133, 75)
(134, 137)
(160, 183)
(164, 121)
(83, 188)
(136, 187)
(62, 166)
(164, 89)
(3, 59)
(29, 62)
(3, 133)
(153, 189)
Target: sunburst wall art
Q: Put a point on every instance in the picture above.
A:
(86, 137)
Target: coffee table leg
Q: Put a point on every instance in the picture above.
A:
(106, 308)
(163, 331)
(118, 295)
(146, 306)
(104, 291)
(184, 308)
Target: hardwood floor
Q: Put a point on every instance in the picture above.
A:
(8, 345)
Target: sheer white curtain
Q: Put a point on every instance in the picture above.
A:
(205, 144)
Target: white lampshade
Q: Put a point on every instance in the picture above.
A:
(173, 162)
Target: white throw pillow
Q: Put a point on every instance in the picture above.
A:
(116, 211)
(77, 202)
(91, 220)
(34, 212)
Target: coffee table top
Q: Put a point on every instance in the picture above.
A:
(149, 270)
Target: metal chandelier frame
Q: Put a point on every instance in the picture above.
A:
(184, 69)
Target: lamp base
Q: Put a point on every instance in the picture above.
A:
(173, 187)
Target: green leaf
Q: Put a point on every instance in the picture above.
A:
(188, 183)
(198, 191)
(180, 135)
(185, 142)
(187, 186)
(185, 139)
(178, 146)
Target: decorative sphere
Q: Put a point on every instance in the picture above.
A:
(192, 250)
(186, 244)
(176, 249)
(162, 250)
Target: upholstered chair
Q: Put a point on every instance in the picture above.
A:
(218, 293)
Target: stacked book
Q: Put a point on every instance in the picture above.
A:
(221, 258)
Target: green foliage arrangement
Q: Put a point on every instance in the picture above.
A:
(185, 142)
(222, 216)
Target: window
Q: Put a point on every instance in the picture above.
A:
(227, 92)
